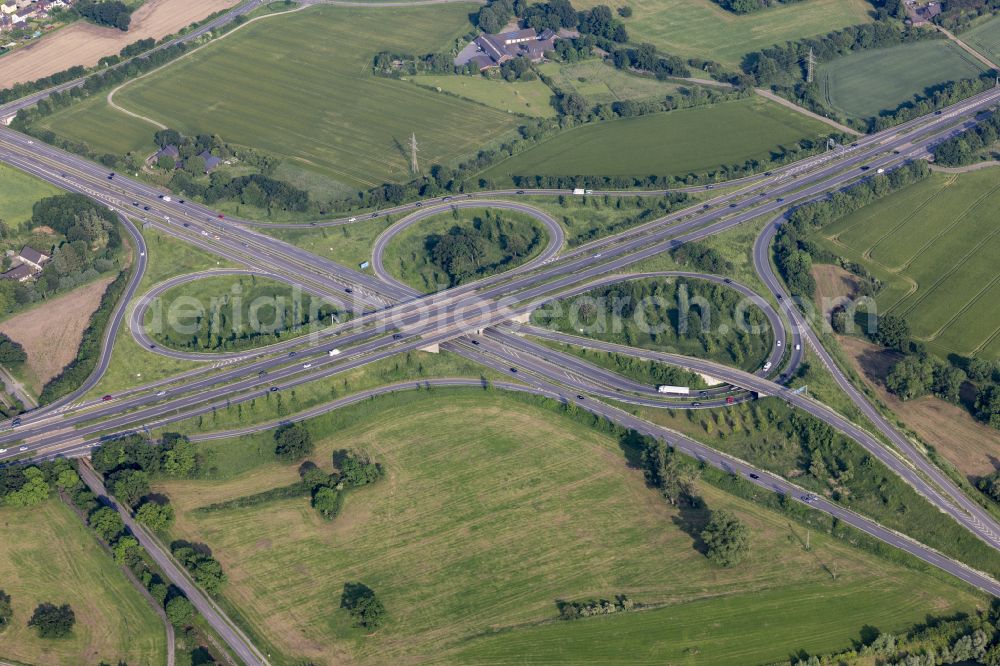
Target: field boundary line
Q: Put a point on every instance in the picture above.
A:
(111, 94)
(955, 267)
(767, 94)
(973, 52)
(867, 254)
(958, 220)
(963, 309)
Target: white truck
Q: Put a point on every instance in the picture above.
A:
(663, 388)
(579, 190)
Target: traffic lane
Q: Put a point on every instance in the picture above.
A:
(769, 481)
(223, 626)
(137, 324)
(765, 480)
(987, 525)
(773, 318)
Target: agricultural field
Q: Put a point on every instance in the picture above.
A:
(935, 245)
(51, 348)
(530, 98)
(84, 43)
(105, 130)
(602, 83)
(702, 29)
(322, 108)
(232, 312)
(480, 242)
(20, 192)
(55, 558)
(985, 38)
(676, 143)
(863, 83)
(493, 509)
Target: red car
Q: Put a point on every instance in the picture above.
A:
(107, 398)
(730, 400)
(221, 216)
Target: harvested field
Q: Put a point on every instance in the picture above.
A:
(51, 333)
(969, 445)
(84, 43)
(832, 284)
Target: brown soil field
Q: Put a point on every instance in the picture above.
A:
(84, 43)
(51, 333)
(972, 447)
(833, 282)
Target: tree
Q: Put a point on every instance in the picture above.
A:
(155, 516)
(179, 611)
(6, 610)
(107, 523)
(129, 485)
(126, 550)
(53, 621)
(726, 538)
(892, 331)
(979, 369)
(358, 470)
(361, 602)
(988, 405)
(11, 353)
(292, 442)
(181, 459)
(326, 500)
(34, 491)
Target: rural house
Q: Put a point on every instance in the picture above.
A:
(211, 161)
(493, 50)
(33, 258)
(21, 273)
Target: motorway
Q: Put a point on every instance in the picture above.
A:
(391, 318)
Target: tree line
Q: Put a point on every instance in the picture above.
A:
(794, 253)
(968, 146)
(112, 13)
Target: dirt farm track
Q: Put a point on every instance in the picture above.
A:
(84, 43)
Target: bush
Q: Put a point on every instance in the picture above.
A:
(6, 611)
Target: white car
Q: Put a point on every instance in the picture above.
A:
(22, 448)
(798, 347)
(353, 219)
(161, 393)
(778, 343)
(334, 352)
(3, 450)
(307, 366)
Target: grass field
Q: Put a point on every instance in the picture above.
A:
(864, 83)
(935, 244)
(675, 143)
(320, 108)
(492, 510)
(701, 28)
(20, 192)
(985, 38)
(101, 127)
(408, 257)
(530, 98)
(602, 83)
(48, 555)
